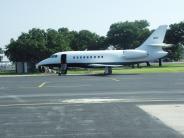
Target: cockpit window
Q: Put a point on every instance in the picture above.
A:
(53, 56)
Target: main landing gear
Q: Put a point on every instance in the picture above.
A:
(108, 71)
(63, 69)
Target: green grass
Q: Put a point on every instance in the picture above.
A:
(14, 73)
(166, 68)
(7, 72)
(85, 71)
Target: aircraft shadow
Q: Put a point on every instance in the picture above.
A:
(102, 74)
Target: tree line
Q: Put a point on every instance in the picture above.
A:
(38, 44)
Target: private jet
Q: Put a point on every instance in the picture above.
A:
(149, 50)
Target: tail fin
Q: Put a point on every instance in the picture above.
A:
(157, 37)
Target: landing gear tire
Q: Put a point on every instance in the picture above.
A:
(59, 74)
(108, 71)
(41, 69)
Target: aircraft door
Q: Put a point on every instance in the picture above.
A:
(63, 68)
(63, 59)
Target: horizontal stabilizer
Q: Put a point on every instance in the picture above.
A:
(161, 45)
(134, 54)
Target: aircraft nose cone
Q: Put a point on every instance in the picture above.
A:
(41, 63)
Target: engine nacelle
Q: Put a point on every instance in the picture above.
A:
(134, 54)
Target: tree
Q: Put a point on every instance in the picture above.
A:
(102, 43)
(56, 42)
(85, 40)
(29, 47)
(38, 44)
(68, 37)
(1, 51)
(128, 35)
(175, 35)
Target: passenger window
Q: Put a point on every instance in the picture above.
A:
(90, 56)
(80, 57)
(101, 56)
(87, 57)
(94, 56)
(73, 57)
(83, 56)
(98, 56)
(77, 57)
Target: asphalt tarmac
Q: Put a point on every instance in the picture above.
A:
(88, 106)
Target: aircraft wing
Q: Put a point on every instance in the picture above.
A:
(103, 65)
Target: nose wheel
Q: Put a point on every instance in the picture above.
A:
(41, 69)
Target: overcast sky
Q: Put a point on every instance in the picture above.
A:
(18, 16)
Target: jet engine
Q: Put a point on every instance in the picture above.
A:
(132, 54)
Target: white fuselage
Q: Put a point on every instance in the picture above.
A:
(150, 50)
(106, 57)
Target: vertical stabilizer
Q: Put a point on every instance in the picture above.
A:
(157, 37)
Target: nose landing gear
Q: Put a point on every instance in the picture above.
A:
(41, 69)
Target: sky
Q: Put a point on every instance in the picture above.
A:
(17, 16)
